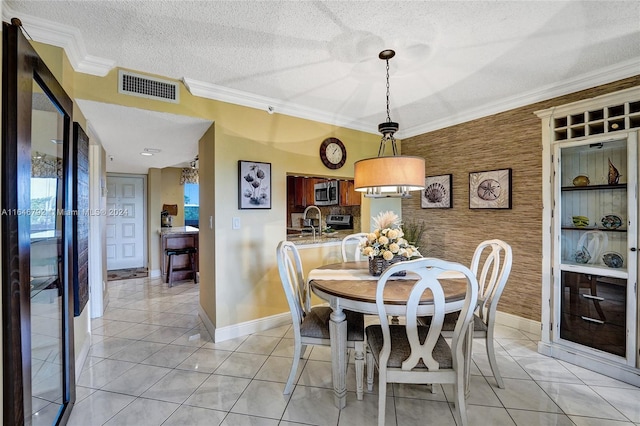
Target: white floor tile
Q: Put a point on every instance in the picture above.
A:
(195, 416)
(204, 360)
(263, 399)
(256, 344)
(428, 413)
(169, 356)
(101, 373)
(525, 395)
(547, 369)
(240, 364)
(153, 362)
(482, 415)
(538, 418)
(580, 400)
(137, 380)
(176, 386)
(311, 404)
(593, 421)
(218, 392)
(627, 401)
(98, 408)
(144, 412)
(243, 420)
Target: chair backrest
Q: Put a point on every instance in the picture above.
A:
(293, 282)
(428, 270)
(352, 240)
(496, 268)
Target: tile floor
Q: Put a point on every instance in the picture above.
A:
(152, 362)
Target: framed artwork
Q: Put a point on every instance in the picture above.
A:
(437, 192)
(254, 185)
(490, 189)
(80, 221)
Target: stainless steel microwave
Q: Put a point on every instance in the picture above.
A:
(326, 193)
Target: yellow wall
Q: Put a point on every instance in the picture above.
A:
(207, 234)
(247, 282)
(243, 284)
(154, 204)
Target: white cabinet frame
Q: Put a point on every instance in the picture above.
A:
(625, 368)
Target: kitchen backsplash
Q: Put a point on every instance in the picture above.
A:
(354, 211)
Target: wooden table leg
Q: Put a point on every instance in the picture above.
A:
(338, 334)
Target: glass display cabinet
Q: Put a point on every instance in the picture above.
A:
(593, 219)
(590, 233)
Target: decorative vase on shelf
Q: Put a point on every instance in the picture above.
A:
(377, 265)
(581, 180)
(614, 175)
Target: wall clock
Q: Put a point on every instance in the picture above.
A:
(333, 153)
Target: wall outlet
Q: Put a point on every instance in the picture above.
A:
(235, 223)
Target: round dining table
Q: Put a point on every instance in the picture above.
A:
(350, 286)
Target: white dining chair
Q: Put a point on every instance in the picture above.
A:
(418, 354)
(311, 324)
(496, 258)
(352, 240)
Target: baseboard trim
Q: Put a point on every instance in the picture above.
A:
(523, 324)
(155, 273)
(253, 326)
(220, 334)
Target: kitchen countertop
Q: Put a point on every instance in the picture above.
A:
(178, 230)
(307, 237)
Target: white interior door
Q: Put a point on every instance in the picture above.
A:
(125, 222)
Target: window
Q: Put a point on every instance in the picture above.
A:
(43, 204)
(191, 204)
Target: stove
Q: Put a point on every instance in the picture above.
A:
(340, 221)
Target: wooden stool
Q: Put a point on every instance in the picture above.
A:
(191, 251)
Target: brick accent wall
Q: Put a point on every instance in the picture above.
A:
(511, 139)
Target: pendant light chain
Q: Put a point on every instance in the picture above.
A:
(388, 111)
(391, 176)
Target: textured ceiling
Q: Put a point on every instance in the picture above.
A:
(455, 60)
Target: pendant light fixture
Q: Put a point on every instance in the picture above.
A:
(390, 176)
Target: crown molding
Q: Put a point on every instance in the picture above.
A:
(270, 105)
(571, 85)
(68, 38)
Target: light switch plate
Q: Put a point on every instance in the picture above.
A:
(235, 223)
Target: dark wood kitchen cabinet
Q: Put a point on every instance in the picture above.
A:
(348, 195)
(302, 190)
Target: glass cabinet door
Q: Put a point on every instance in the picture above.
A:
(595, 249)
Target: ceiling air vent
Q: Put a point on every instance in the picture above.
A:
(147, 87)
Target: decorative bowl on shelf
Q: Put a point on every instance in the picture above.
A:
(581, 180)
(613, 259)
(611, 221)
(580, 221)
(582, 255)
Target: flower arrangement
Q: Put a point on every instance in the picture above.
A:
(387, 240)
(257, 194)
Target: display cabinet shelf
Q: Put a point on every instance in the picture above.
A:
(573, 228)
(612, 118)
(594, 187)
